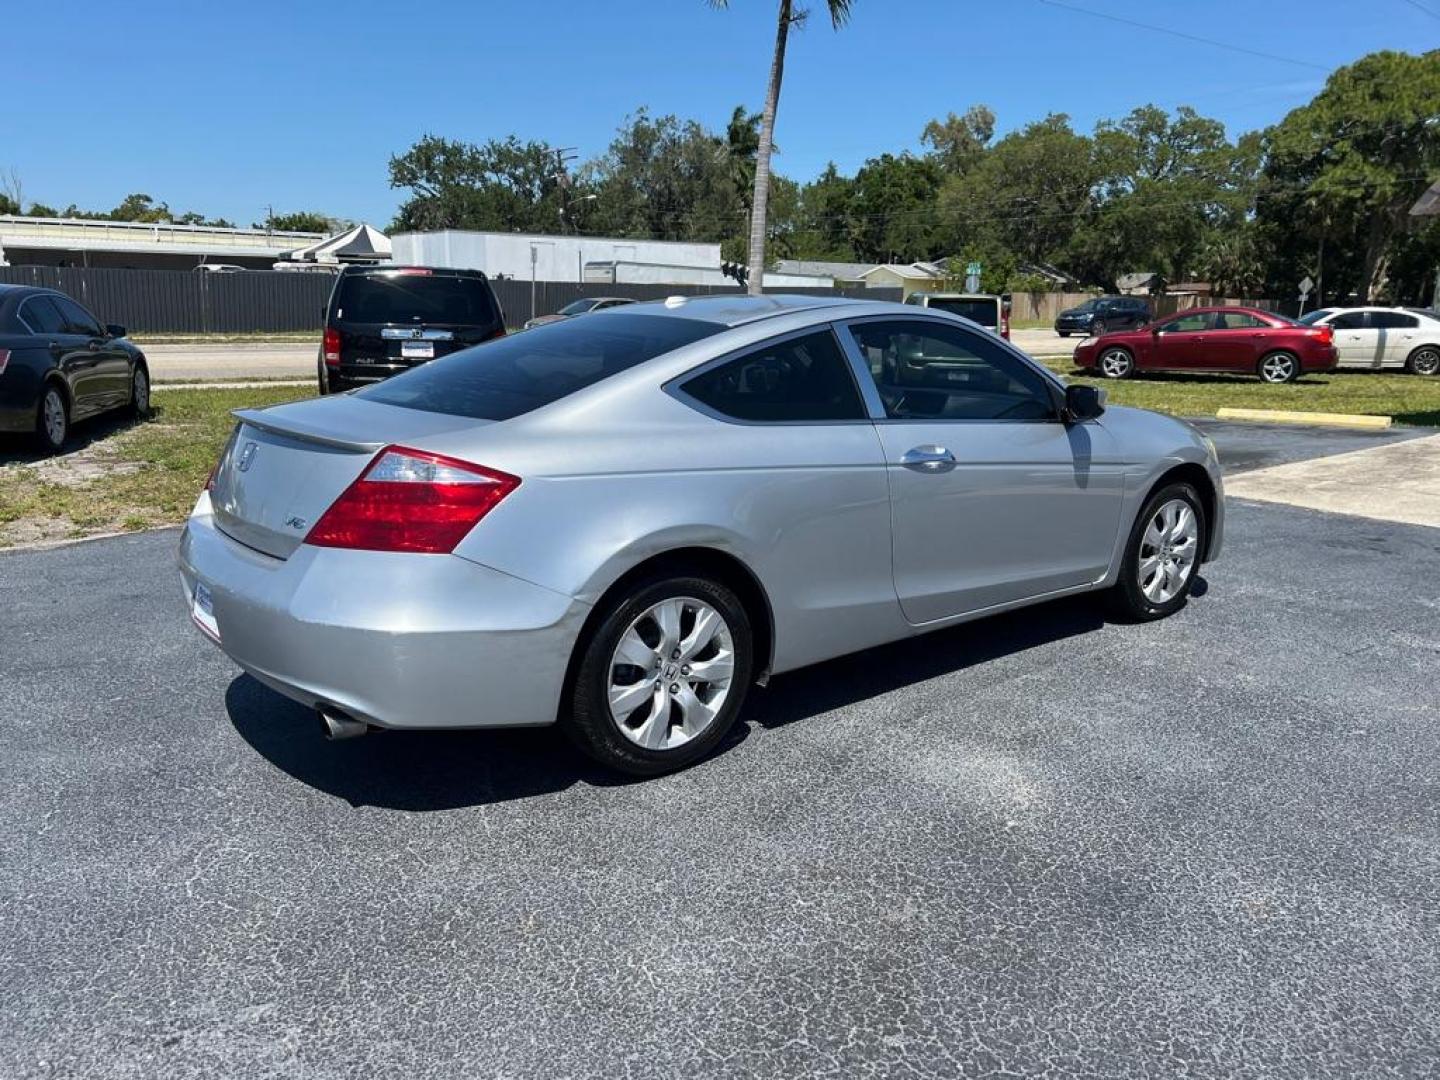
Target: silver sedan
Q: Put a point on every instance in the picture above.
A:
(622, 522)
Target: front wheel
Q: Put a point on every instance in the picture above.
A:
(1117, 363)
(140, 392)
(1280, 367)
(662, 677)
(1424, 361)
(1063, 333)
(1162, 555)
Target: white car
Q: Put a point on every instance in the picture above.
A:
(1379, 337)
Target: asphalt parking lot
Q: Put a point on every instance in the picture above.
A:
(1042, 844)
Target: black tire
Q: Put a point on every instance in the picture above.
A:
(587, 719)
(140, 392)
(1127, 597)
(1424, 361)
(1097, 327)
(48, 441)
(322, 377)
(1268, 367)
(1063, 333)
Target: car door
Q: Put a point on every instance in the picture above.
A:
(109, 379)
(1399, 335)
(1356, 341)
(1235, 341)
(992, 498)
(73, 359)
(1179, 343)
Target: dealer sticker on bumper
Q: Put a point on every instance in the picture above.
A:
(203, 611)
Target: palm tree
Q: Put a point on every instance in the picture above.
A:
(759, 203)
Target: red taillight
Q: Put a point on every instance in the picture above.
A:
(1005, 325)
(497, 334)
(1326, 334)
(410, 500)
(332, 347)
(5, 359)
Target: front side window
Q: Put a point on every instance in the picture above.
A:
(804, 378)
(1350, 320)
(77, 319)
(504, 378)
(1189, 324)
(928, 371)
(42, 316)
(1393, 320)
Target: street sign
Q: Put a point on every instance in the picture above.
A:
(972, 283)
(1305, 286)
(972, 269)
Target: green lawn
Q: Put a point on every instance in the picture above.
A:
(1408, 398)
(119, 475)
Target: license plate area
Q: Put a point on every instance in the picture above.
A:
(417, 350)
(202, 610)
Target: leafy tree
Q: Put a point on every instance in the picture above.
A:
(958, 142)
(823, 218)
(1361, 152)
(892, 208)
(301, 221)
(8, 205)
(789, 15)
(499, 186)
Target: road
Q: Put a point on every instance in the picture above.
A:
(1042, 843)
(192, 363)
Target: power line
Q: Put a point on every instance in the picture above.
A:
(1421, 7)
(1187, 37)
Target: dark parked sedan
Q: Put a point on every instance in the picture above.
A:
(1246, 341)
(59, 364)
(1101, 314)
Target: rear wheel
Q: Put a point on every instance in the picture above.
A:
(1424, 361)
(1279, 367)
(1117, 363)
(662, 677)
(1063, 333)
(140, 392)
(52, 419)
(322, 377)
(1162, 555)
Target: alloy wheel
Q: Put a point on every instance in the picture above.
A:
(1278, 368)
(1426, 361)
(141, 391)
(670, 673)
(1169, 548)
(1116, 363)
(54, 417)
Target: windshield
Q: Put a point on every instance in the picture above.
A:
(513, 375)
(1311, 318)
(980, 309)
(577, 307)
(400, 297)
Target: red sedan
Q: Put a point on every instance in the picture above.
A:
(1243, 340)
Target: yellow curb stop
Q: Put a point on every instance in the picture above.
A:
(1284, 416)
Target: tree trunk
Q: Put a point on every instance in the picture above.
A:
(760, 201)
(1383, 227)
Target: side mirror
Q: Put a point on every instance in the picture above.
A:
(114, 330)
(1083, 403)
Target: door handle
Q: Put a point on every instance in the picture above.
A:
(929, 459)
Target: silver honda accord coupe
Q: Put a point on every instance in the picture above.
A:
(620, 523)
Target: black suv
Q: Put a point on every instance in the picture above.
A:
(1101, 314)
(382, 320)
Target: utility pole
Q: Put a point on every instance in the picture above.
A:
(561, 176)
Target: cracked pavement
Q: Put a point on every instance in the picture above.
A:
(1041, 844)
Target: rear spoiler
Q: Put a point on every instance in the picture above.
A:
(305, 432)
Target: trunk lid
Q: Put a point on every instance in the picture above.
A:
(285, 465)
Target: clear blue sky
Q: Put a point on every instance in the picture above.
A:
(227, 107)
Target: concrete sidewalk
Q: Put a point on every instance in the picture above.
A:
(1396, 482)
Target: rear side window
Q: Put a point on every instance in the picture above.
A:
(42, 316)
(1238, 320)
(1392, 320)
(516, 374)
(985, 312)
(410, 298)
(804, 378)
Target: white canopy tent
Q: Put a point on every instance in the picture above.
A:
(362, 244)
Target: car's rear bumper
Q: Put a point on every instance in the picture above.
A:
(1320, 359)
(398, 640)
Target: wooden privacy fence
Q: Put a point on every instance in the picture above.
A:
(1043, 307)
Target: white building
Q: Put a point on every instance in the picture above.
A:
(32, 241)
(565, 258)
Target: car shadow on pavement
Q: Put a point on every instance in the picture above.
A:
(20, 449)
(448, 769)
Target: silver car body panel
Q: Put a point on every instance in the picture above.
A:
(850, 549)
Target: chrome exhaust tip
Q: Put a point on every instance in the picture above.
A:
(339, 725)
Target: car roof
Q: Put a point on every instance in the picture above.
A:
(734, 310)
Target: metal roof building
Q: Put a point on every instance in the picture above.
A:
(33, 241)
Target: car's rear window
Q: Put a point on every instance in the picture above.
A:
(408, 298)
(516, 374)
(984, 312)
